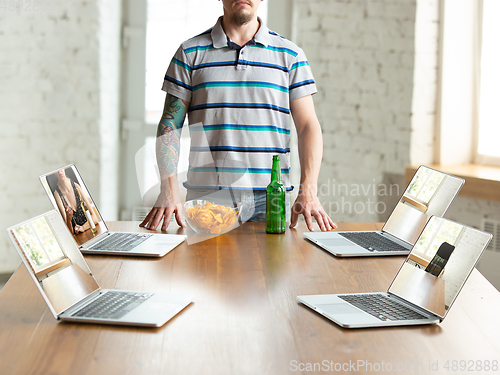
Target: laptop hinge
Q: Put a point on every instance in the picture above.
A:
(416, 307)
(399, 241)
(76, 306)
(94, 240)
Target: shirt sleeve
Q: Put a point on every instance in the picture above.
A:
(177, 80)
(301, 80)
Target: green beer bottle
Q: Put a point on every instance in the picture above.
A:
(275, 200)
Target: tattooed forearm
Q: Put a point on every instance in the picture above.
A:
(173, 115)
(167, 151)
(168, 133)
(171, 107)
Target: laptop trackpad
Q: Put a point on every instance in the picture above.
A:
(339, 308)
(336, 242)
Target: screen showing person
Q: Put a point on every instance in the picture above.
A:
(74, 203)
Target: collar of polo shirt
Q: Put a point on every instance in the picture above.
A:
(233, 45)
(219, 37)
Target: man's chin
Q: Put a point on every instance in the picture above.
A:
(242, 17)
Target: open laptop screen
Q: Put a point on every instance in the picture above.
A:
(439, 264)
(429, 193)
(53, 261)
(69, 195)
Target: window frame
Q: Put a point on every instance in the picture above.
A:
(464, 152)
(39, 269)
(478, 37)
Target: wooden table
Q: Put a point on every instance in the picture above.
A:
(245, 318)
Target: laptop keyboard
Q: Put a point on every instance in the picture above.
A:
(382, 307)
(120, 241)
(112, 305)
(373, 241)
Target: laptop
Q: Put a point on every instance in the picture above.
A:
(70, 197)
(429, 193)
(425, 287)
(69, 288)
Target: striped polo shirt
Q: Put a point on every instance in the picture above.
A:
(239, 105)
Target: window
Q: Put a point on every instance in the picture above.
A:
(469, 123)
(424, 185)
(488, 150)
(429, 242)
(39, 245)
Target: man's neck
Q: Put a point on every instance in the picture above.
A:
(241, 34)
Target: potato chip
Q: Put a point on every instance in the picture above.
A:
(211, 218)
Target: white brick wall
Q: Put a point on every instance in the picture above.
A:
(362, 55)
(49, 106)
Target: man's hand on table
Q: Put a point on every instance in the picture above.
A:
(167, 203)
(308, 204)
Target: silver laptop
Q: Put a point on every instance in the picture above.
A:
(424, 288)
(70, 197)
(70, 290)
(429, 193)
